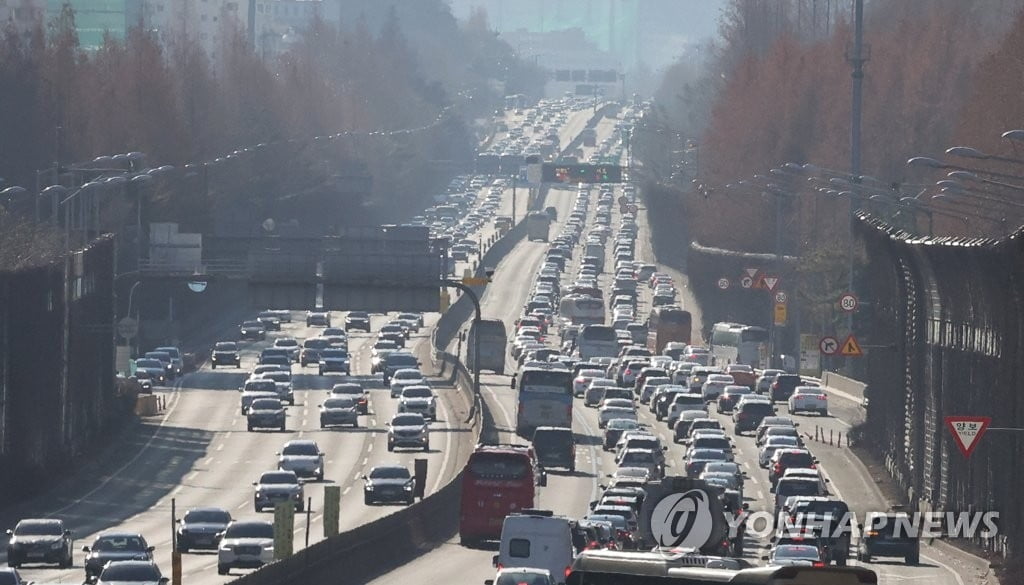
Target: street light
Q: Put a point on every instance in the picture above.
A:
(971, 176)
(932, 163)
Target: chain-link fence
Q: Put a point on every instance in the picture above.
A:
(951, 310)
(57, 388)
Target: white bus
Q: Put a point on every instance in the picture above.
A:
(735, 343)
(597, 341)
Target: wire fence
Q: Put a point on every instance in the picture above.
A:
(57, 387)
(950, 309)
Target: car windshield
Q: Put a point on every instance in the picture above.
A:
(390, 473)
(407, 420)
(401, 360)
(250, 530)
(130, 572)
(252, 324)
(277, 477)
(277, 376)
(286, 343)
(417, 393)
(300, 449)
(334, 353)
(119, 543)
(260, 386)
(707, 455)
(148, 363)
(226, 346)
(266, 404)
(344, 402)
(408, 375)
(39, 528)
(794, 551)
(622, 424)
(523, 578)
(208, 516)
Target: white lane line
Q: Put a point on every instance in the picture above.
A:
(348, 489)
(208, 461)
(234, 421)
(369, 447)
(177, 490)
(220, 447)
(365, 460)
(117, 473)
(242, 505)
(357, 475)
(191, 476)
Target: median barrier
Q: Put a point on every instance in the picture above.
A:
(848, 388)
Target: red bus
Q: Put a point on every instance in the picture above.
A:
(668, 323)
(498, 480)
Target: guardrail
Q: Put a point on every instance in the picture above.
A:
(212, 267)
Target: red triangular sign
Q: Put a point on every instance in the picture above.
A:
(967, 431)
(770, 282)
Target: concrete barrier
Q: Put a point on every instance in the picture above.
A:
(147, 404)
(843, 387)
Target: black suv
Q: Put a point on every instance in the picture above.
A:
(783, 386)
(749, 414)
(830, 520)
(555, 447)
(357, 320)
(225, 353)
(890, 535)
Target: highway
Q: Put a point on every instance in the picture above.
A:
(569, 493)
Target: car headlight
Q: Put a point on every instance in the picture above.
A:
(268, 548)
(408, 487)
(259, 494)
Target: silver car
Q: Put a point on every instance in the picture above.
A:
(408, 430)
(419, 399)
(303, 457)
(246, 545)
(275, 487)
(339, 410)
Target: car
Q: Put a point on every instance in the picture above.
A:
(225, 353)
(783, 386)
(318, 319)
(153, 368)
(771, 421)
(290, 344)
(133, 572)
(333, 359)
(521, 576)
(784, 459)
(165, 359)
(646, 458)
(266, 413)
(252, 330)
(395, 361)
(43, 540)
(681, 430)
(808, 399)
(354, 391)
(408, 430)
(339, 410)
(302, 456)
(357, 320)
(405, 377)
(282, 379)
(177, 364)
(583, 379)
(555, 447)
(111, 547)
(748, 414)
(772, 445)
(730, 396)
(388, 483)
(245, 544)
(200, 528)
(145, 381)
(788, 555)
(270, 320)
(311, 347)
(714, 386)
(279, 486)
(764, 381)
(11, 576)
(415, 319)
(696, 459)
(418, 398)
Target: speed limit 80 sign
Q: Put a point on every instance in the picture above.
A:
(848, 303)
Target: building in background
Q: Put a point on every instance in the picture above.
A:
(207, 22)
(96, 18)
(23, 14)
(279, 23)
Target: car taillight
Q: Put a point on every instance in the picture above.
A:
(813, 466)
(568, 571)
(872, 533)
(822, 397)
(500, 566)
(593, 544)
(778, 468)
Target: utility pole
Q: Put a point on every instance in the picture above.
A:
(514, 178)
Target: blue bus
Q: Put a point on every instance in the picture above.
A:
(544, 398)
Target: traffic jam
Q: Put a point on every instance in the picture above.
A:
(606, 335)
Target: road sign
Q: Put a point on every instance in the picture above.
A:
(632, 208)
(751, 272)
(723, 283)
(851, 348)
(128, 328)
(780, 313)
(574, 173)
(828, 345)
(810, 355)
(967, 431)
(848, 302)
(770, 282)
(747, 282)
(781, 297)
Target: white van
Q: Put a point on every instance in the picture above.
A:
(536, 538)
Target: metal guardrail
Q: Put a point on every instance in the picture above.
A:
(230, 268)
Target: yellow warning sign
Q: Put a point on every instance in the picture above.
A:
(851, 348)
(780, 313)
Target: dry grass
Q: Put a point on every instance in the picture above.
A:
(25, 244)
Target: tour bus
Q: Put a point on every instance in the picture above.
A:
(665, 325)
(544, 398)
(493, 341)
(582, 310)
(735, 343)
(597, 341)
(537, 223)
(498, 480)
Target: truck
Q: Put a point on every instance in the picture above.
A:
(537, 224)
(589, 136)
(493, 341)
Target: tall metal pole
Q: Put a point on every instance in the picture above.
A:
(857, 59)
(514, 178)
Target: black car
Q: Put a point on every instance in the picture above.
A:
(388, 483)
(555, 447)
(266, 413)
(225, 353)
(114, 546)
(395, 361)
(199, 528)
(252, 330)
(783, 386)
(40, 541)
(829, 520)
(357, 320)
(269, 320)
(889, 535)
(749, 414)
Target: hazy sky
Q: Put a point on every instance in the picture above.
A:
(659, 29)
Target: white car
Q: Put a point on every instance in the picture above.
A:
(808, 399)
(409, 430)
(419, 399)
(595, 391)
(582, 381)
(773, 444)
(303, 457)
(609, 412)
(788, 555)
(247, 544)
(714, 386)
(406, 377)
